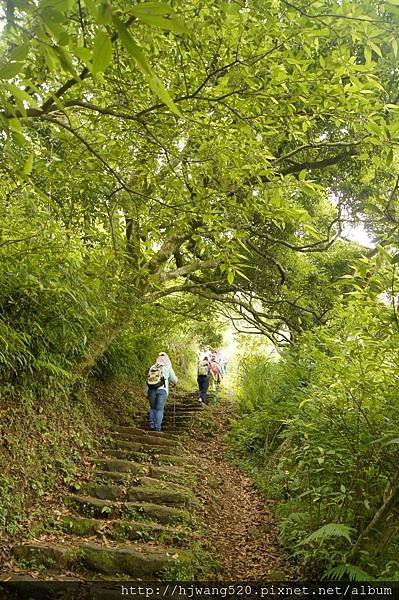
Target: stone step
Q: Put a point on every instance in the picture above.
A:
(176, 430)
(127, 455)
(95, 507)
(124, 529)
(126, 478)
(185, 408)
(131, 560)
(155, 495)
(137, 561)
(103, 491)
(180, 417)
(23, 586)
(139, 447)
(146, 440)
(159, 483)
(122, 466)
(144, 432)
(178, 423)
(114, 476)
(168, 473)
(46, 555)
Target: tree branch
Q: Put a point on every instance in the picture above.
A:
(196, 265)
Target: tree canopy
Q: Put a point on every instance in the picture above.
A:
(215, 150)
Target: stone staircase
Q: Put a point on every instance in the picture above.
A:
(134, 520)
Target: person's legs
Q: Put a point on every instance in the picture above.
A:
(212, 383)
(203, 383)
(206, 385)
(160, 399)
(151, 395)
(200, 379)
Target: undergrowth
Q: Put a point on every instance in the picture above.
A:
(318, 431)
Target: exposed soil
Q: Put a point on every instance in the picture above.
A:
(240, 531)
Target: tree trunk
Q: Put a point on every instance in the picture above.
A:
(377, 524)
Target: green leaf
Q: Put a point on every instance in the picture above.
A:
(376, 49)
(102, 52)
(171, 24)
(151, 8)
(133, 48)
(28, 165)
(230, 276)
(352, 571)
(61, 5)
(392, 441)
(52, 20)
(21, 96)
(138, 55)
(153, 13)
(19, 52)
(66, 61)
(84, 54)
(9, 71)
(395, 259)
(51, 58)
(374, 128)
(329, 531)
(159, 89)
(104, 14)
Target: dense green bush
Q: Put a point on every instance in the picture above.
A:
(50, 302)
(321, 427)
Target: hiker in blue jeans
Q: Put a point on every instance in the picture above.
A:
(203, 374)
(159, 376)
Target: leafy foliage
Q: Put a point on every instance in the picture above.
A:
(352, 572)
(329, 531)
(161, 163)
(321, 418)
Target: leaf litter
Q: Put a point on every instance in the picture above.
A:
(240, 531)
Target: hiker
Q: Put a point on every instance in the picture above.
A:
(216, 373)
(222, 363)
(203, 373)
(159, 376)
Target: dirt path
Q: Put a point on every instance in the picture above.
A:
(240, 532)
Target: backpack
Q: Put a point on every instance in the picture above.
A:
(203, 367)
(155, 377)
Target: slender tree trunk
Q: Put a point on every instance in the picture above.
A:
(104, 337)
(377, 524)
(129, 299)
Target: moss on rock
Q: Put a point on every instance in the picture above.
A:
(103, 491)
(156, 495)
(129, 561)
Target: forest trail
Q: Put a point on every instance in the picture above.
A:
(157, 507)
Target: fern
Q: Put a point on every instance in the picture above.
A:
(352, 571)
(329, 531)
(297, 517)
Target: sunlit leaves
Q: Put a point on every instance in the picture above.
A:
(11, 70)
(158, 14)
(141, 61)
(102, 52)
(28, 165)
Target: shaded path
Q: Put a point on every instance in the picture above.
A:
(239, 525)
